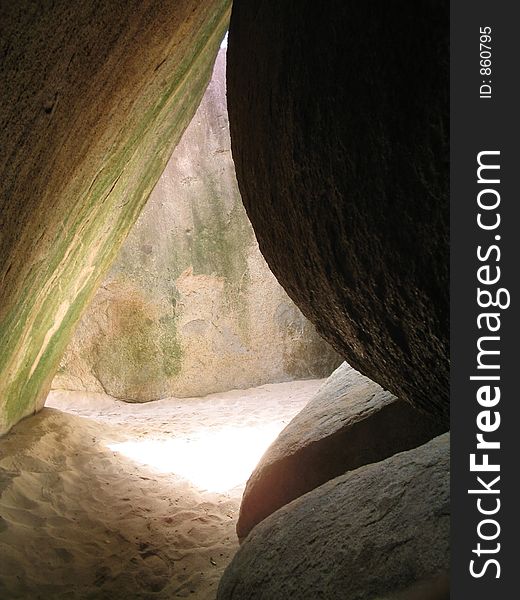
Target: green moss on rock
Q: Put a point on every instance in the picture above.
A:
(189, 307)
(140, 352)
(125, 81)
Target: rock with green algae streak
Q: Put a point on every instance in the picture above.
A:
(190, 307)
(95, 97)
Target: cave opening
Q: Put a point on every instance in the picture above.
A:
(190, 312)
(339, 121)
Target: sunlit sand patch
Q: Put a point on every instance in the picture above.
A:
(101, 498)
(215, 461)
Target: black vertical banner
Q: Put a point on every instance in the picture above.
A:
(485, 269)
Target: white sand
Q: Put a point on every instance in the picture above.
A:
(100, 499)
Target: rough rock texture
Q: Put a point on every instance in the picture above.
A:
(379, 532)
(189, 306)
(350, 422)
(95, 96)
(339, 127)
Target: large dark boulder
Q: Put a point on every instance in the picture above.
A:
(339, 126)
(350, 422)
(380, 532)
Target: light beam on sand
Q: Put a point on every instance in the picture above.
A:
(214, 460)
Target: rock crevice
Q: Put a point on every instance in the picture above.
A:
(189, 306)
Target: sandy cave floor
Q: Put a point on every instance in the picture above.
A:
(100, 499)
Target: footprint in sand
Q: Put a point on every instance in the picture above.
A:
(154, 572)
(103, 574)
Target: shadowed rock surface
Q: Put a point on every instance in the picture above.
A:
(95, 96)
(339, 127)
(350, 422)
(376, 532)
(189, 306)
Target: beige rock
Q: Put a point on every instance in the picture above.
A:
(350, 422)
(378, 533)
(95, 96)
(189, 306)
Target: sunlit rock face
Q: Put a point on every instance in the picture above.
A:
(190, 307)
(350, 422)
(339, 127)
(381, 531)
(95, 96)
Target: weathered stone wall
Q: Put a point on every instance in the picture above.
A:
(190, 307)
(95, 96)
